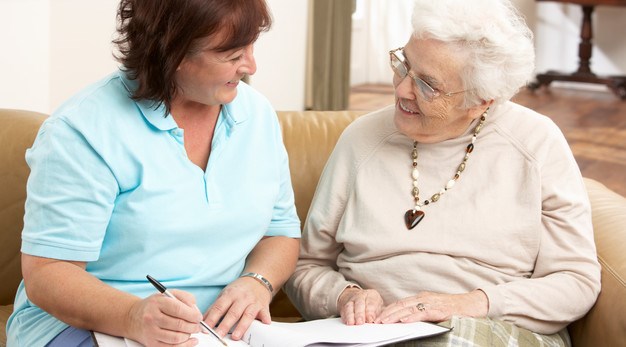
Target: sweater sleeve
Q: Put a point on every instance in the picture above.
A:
(566, 278)
(316, 284)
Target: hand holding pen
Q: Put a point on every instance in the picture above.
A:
(161, 288)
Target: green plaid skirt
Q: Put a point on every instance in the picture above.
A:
(484, 332)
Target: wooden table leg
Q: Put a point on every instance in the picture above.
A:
(617, 84)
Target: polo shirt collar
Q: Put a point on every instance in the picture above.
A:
(153, 113)
(233, 114)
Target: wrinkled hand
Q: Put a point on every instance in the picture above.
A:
(161, 321)
(435, 307)
(240, 303)
(358, 306)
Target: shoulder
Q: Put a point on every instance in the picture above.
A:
(370, 129)
(97, 106)
(107, 93)
(102, 117)
(515, 118)
(531, 132)
(365, 136)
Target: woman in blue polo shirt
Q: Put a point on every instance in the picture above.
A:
(169, 167)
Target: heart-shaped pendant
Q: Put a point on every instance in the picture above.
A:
(412, 218)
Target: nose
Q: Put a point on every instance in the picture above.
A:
(404, 87)
(248, 65)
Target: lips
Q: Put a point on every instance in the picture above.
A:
(232, 83)
(405, 108)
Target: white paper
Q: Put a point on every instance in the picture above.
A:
(325, 332)
(317, 333)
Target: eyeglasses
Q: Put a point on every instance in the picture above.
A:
(401, 68)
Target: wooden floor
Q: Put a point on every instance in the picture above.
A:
(594, 123)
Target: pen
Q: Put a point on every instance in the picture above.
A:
(158, 285)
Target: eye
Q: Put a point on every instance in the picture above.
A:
(235, 55)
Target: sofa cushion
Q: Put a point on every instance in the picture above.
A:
(310, 137)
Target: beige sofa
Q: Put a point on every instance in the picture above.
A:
(310, 137)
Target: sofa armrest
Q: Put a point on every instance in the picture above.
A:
(17, 133)
(605, 324)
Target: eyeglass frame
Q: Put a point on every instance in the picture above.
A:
(426, 90)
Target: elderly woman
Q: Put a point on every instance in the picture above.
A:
(454, 204)
(149, 172)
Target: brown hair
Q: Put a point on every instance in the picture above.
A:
(155, 36)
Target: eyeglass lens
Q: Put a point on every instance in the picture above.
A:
(400, 69)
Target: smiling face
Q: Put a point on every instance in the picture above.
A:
(209, 77)
(443, 118)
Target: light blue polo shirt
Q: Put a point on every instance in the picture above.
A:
(111, 185)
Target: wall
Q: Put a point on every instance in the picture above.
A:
(281, 56)
(25, 54)
(53, 48)
(378, 26)
(556, 27)
(557, 32)
(80, 45)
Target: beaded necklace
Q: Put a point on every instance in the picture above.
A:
(413, 216)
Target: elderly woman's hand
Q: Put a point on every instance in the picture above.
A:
(435, 307)
(241, 302)
(358, 306)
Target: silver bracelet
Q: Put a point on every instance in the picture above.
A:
(261, 279)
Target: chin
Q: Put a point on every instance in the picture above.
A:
(227, 99)
(404, 123)
(412, 127)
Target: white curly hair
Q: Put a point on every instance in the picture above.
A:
(493, 37)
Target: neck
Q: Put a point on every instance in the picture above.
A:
(188, 110)
(198, 121)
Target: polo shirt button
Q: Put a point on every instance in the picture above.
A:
(177, 132)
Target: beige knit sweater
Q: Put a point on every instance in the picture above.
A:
(517, 224)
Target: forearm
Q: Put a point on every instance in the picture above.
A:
(314, 289)
(274, 258)
(66, 291)
(543, 305)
